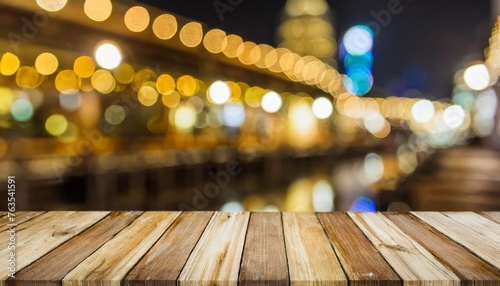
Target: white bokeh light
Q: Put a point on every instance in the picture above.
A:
(454, 116)
(271, 102)
(219, 92)
(108, 56)
(477, 77)
(422, 111)
(322, 108)
(358, 40)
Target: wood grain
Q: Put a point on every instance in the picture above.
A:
(51, 268)
(494, 216)
(164, 262)
(479, 234)
(362, 263)
(42, 234)
(468, 267)
(311, 259)
(20, 217)
(111, 263)
(216, 258)
(264, 256)
(411, 261)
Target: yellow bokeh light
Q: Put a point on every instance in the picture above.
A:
(165, 26)
(215, 41)
(6, 99)
(187, 85)
(136, 19)
(235, 89)
(84, 66)
(264, 50)
(247, 54)
(185, 117)
(56, 125)
(98, 10)
(103, 81)
(147, 95)
(141, 77)
(253, 96)
(46, 63)
(165, 84)
(67, 82)
(233, 42)
(28, 77)
(124, 73)
(51, 5)
(191, 34)
(9, 64)
(115, 114)
(171, 100)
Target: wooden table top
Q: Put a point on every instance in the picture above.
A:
(217, 248)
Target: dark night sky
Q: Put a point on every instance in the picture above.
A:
(421, 47)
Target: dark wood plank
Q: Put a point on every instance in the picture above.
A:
(51, 269)
(362, 263)
(494, 216)
(468, 267)
(264, 256)
(164, 262)
(19, 217)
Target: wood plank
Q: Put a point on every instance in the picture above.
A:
(311, 259)
(411, 261)
(494, 216)
(479, 234)
(468, 267)
(216, 258)
(51, 268)
(164, 262)
(42, 234)
(362, 263)
(20, 217)
(264, 256)
(111, 263)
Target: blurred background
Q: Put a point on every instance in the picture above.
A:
(291, 105)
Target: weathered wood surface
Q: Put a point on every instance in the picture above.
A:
(216, 248)
(479, 234)
(18, 219)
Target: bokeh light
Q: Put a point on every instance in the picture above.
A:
(84, 66)
(323, 196)
(98, 10)
(271, 102)
(322, 108)
(187, 85)
(103, 81)
(6, 99)
(70, 102)
(165, 84)
(51, 5)
(67, 82)
(422, 111)
(124, 73)
(358, 40)
(233, 114)
(219, 92)
(373, 167)
(215, 41)
(108, 55)
(185, 117)
(28, 77)
(165, 26)
(9, 64)
(191, 34)
(114, 114)
(22, 109)
(454, 116)
(171, 100)
(477, 77)
(147, 95)
(56, 125)
(136, 19)
(46, 63)
(363, 204)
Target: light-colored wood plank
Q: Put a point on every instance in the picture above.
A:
(216, 258)
(51, 268)
(479, 234)
(164, 262)
(42, 234)
(111, 263)
(20, 217)
(467, 266)
(311, 259)
(494, 216)
(411, 261)
(264, 256)
(362, 263)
